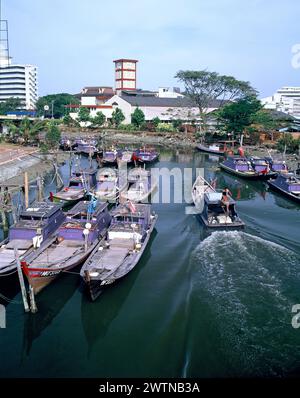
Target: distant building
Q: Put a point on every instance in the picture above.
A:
(286, 99)
(125, 74)
(19, 81)
(97, 95)
(165, 108)
(169, 92)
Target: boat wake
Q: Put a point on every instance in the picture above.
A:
(246, 287)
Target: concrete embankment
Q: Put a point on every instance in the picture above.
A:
(12, 173)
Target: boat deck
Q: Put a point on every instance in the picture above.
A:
(57, 253)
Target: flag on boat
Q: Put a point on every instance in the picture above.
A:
(131, 206)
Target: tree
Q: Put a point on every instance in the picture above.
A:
(83, 114)
(236, 116)
(177, 123)
(67, 120)
(138, 117)
(203, 88)
(117, 117)
(99, 119)
(53, 136)
(156, 121)
(288, 144)
(60, 103)
(264, 121)
(10, 105)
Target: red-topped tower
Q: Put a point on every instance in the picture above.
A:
(125, 74)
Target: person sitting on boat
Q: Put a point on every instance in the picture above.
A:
(225, 200)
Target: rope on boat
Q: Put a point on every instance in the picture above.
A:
(71, 272)
(11, 273)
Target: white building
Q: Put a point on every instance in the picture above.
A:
(286, 99)
(165, 108)
(19, 81)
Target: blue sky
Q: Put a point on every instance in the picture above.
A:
(73, 42)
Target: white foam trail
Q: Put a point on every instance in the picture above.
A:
(246, 282)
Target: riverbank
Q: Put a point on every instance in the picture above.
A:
(19, 160)
(169, 140)
(136, 138)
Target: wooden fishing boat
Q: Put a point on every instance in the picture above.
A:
(145, 156)
(87, 148)
(125, 157)
(120, 251)
(243, 167)
(288, 185)
(278, 166)
(216, 149)
(75, 239)
(110, 182)
(141, 186)
(35, 225)
(210, 209)
(110, 157)
(79, 185)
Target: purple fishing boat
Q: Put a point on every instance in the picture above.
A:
(147, 156)
(85, 224)
(81, 182)
(251, 169)
(110, 157)
(35, 225)
(287, 184)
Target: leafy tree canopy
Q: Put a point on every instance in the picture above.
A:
(204, 87)
(99, 119)
(84, 114)
(117, 117)
(138, 117)
(236, 116)
(53, 136)
(59, 104)
(156, 121)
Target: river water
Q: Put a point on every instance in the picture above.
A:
(196, 305)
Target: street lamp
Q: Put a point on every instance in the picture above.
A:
(52, 105)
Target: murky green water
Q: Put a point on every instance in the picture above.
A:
(196, 305)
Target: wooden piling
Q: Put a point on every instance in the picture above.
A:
(40, 188)
(4, 220)
(33, 307)
(21, 280)
(26, 190)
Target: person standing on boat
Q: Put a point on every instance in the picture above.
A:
(225, 200)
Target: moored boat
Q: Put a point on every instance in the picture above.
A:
(287, 184)
(80, 184)
(35, 225)
(120, 251)
(246, 168)
(145, 156)
(278, 166)
(87, 148)
(125, 157)
(110, 157)
(110, 182)
(217, 149)
(210, 208)
(75, 239)
(141, 185)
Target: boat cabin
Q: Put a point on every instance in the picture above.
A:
(41, 218)
(214, 211)
(90, 215)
